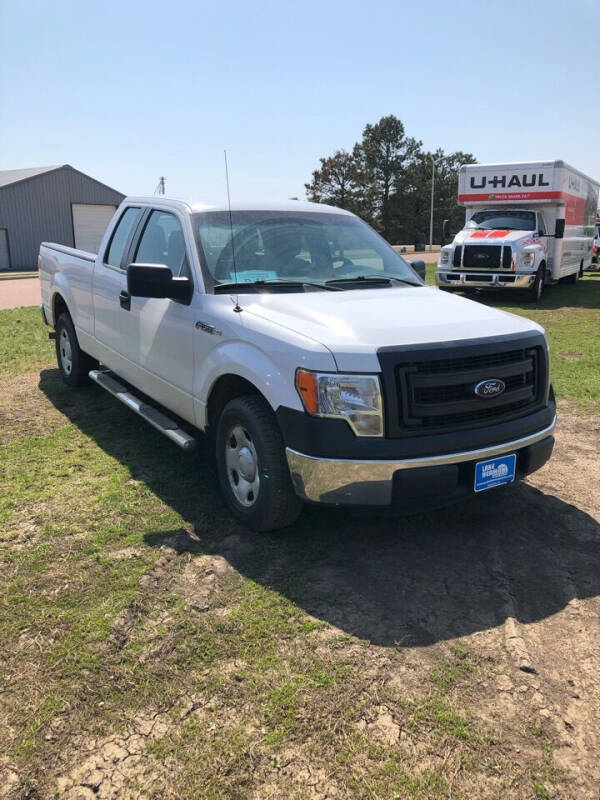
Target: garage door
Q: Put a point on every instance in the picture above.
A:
(4, 259)
(89, 224)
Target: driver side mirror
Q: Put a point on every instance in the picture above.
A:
(559, 230)
(419, 268)
(156, 280)
(445, 231)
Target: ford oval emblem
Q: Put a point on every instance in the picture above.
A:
(491, 387)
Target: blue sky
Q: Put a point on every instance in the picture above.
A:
(128, 91)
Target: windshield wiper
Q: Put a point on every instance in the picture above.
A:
(265, 285)
(366, 279)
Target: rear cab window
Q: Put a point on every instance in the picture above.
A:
(121, 236)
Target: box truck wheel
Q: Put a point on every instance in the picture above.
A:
(253, 471)
(573, 278)
(534, 293)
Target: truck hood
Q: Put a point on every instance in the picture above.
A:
(354, 324)
(491, 237)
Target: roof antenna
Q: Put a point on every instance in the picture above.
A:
(237, 308)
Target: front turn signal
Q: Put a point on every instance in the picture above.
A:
(306, 384)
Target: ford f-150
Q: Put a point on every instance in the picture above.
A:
(315, 356)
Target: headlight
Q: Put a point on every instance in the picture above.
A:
(355, 398)
(527, 259)
(444, 257)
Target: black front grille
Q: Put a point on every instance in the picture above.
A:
(455, 393)
(468, 362)
(436, 393)
(457, 256)
(482, 256)
(440, 392)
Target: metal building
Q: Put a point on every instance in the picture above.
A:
(51, 204)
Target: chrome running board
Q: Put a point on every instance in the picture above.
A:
(156, 418)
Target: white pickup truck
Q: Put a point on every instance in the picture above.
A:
(323, 367)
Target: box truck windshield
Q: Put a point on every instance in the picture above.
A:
(497, 219)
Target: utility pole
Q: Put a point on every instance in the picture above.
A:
(160, 189)
(433, 163)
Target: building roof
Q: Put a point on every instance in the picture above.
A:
(15, 175)
(11, 176)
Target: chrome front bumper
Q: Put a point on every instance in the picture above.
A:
(369, 483)
(484, 280)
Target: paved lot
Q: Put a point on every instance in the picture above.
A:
(19, 292)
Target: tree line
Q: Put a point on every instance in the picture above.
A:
(386, 180)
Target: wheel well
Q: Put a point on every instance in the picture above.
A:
(225, 389)
(58, 306)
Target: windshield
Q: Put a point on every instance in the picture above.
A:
(496, 220)
(302, 247)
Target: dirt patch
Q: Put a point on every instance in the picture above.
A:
(119, 765)
(449, 654)
(24, 408)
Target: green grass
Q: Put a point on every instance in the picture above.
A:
(129, 594)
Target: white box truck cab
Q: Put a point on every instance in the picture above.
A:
(527, 225)
(313, 354)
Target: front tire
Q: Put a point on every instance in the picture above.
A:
(253, 471)
(534, 293)
(73, 363)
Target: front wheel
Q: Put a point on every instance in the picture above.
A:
(534, 293)
(73, 363)
(253, 471)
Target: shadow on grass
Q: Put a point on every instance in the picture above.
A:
(513, 552)
(586, 294)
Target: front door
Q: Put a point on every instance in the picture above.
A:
(547, 242)
(157, 335)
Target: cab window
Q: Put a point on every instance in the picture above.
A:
(541, 225)
(162, 242)
(121, 235)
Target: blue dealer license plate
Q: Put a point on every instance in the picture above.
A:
(495, 472)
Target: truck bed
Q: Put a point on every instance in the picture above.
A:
(69, 271)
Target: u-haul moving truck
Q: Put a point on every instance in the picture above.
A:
(527, 225)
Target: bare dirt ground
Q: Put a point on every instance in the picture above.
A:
(511, 577)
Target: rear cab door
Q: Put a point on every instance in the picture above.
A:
(110, 281)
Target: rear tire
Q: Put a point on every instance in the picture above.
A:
(534, 293)
(573, 279)
(73, 363)
(252, 467)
